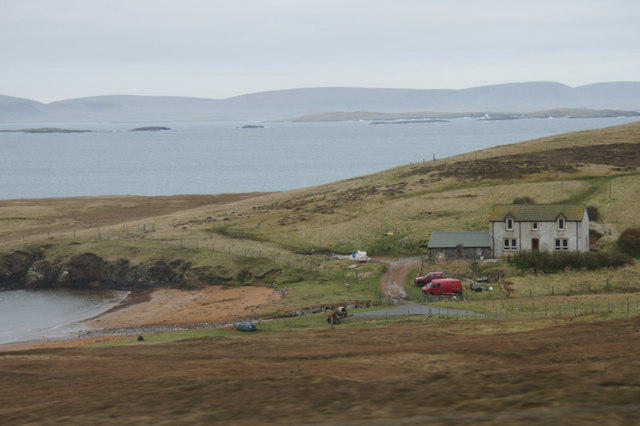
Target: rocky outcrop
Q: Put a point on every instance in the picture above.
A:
(15, 266)
(30, 269)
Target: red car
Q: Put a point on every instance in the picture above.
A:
(443, 287)
(422, 281)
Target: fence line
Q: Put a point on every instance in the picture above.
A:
(548, 310)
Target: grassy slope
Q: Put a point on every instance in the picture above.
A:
(388, 213)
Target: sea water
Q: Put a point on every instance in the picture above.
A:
(212, 158)
(37, 314)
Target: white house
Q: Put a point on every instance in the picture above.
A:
(545, 227)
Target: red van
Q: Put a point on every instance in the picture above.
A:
(422, 281)
(443, 287)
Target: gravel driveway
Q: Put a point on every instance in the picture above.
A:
(393, 287)
(412, 308)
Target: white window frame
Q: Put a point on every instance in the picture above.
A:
(561, 244)
(510, 244)
(561, 223)
(509, 224)
(535, 226)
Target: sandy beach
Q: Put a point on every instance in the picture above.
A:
(167, 309)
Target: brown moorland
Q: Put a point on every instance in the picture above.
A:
(401, 374)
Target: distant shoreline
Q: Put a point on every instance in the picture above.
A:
(431, 117)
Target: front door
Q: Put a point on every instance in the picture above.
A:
(535, 244)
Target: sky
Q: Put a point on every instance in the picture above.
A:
(59, 49)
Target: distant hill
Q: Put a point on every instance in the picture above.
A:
(290, 104)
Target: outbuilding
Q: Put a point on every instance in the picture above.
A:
(459, 245)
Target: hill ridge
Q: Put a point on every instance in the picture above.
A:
(290, 103)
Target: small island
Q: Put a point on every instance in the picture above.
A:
(150, 129)
(46, 130)
(252, 126)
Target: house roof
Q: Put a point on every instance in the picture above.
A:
(537, 212)
(454, 239)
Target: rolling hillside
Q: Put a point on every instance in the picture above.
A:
(289, 104)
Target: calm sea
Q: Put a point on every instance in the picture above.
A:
(37, 314)
(200, 158)
(205, 158)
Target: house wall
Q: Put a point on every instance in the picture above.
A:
(468, 253)
(576, 234)
(583, 233)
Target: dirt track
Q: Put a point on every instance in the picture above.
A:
(393, 280)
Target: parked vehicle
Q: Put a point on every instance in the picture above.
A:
(246, 326)
(422, 281)
(443, 287)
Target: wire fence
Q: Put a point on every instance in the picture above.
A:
(523, 310)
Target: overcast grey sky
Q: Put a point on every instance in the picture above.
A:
(58, 49)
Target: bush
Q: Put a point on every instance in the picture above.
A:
(546, 262)
(592, 211)
(523, 200)
(629, 241)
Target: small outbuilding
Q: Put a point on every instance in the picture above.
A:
(459, 245)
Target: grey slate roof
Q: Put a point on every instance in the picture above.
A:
(537, 212)
(453, 239)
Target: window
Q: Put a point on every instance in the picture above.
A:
(509, 224)
(510, 244)
(534, 226)
(561, 244)
(560, 224)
